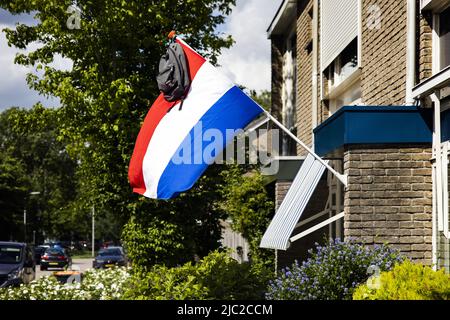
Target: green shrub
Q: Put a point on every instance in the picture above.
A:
(106, 284)
(163, 283)
(332, 272)
(152, 242)
(407, 281)
(217, 276)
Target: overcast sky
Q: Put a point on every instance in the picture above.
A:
(246, 63)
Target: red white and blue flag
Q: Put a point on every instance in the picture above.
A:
(213, 103)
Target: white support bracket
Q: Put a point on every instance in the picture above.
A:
(342, 177)
(258, 125)
(317, 227)
(314, 217)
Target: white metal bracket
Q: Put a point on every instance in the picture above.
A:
(317, 227)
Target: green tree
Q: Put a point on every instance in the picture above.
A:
(250, 206)
(30, 138)
(263, 98)
(106, 95)
(176, 231)
(12, 193)
(115, 53)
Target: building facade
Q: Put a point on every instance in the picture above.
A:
(366, 85)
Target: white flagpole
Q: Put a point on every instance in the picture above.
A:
(341, 177)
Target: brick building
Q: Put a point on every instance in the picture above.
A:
(366, 85)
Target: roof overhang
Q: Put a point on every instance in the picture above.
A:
(285, 168)
(373, 125)
(432, 84)
(286, 14)
(434, 5)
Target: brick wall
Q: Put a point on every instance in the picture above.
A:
(424, 53)
(383, 78)
(281, 189)
(304, 74)
(277, 76)
(389, 197)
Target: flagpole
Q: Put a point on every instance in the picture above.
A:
(341, 177)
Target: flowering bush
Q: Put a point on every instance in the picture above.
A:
(107, 284)
(96, 285)
(332, 272)
(408, 281)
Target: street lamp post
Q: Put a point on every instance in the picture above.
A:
(93, 231)
(33, 193)
(24, 225)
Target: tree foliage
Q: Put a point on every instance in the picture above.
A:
(104, 99)
(33, 160)
(177, 231)
(12, 192)
(263, 98)
(107, 93)
(250, 207)
(406, 281)
(216, 276)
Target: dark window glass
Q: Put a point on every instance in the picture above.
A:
(444, 22)
(110, 252)
(10, 254)
(444, 34)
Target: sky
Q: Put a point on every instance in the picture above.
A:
(247, 63)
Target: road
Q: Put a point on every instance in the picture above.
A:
(77, 264)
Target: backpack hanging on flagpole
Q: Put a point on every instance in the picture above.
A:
(173, 78)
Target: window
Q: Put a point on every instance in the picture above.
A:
(441, 209)
(289, 93)
(437, 87)
(343, 66)
(336, 200)
(339, 26)
(341, 80)
(441, 35)
(444, 38)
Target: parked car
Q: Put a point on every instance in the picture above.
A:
(110, 257)
(17, 264)
(38, 252)
(55, 257)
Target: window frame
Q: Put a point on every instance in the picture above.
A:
(290, 45)
(437, 66)
(434, 5)
(346, 84)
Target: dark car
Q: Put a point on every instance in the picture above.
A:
(55, 257)
(38, 252)
(16, 264)
(110, 257)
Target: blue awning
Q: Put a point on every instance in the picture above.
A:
(374, 125)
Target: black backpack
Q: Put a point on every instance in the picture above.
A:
(173, 78)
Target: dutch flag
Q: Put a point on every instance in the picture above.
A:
(213, 103)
